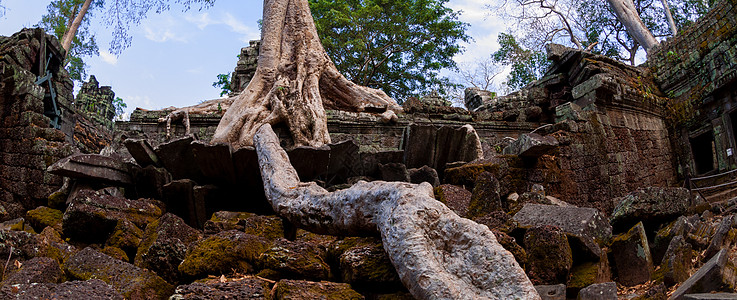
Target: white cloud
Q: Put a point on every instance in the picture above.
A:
(109, 58)
(235, 25)
(164, 28)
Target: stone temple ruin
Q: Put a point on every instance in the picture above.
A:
(602, 180)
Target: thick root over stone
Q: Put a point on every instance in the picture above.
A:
(437, 254)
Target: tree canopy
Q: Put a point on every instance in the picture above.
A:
(58, 19)
(398, 47)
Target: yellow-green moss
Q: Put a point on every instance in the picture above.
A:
(44, 216)
(116, 253)
(22, 225)
(218, 254)
(584, 275)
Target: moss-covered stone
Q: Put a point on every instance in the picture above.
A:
(126, 236)
(241, 288)
(485, 197)
(455, 197)
(269, 227)
(369, 267)
(300, 260)
(510, 244)
(299, 289)
(631, 256)
(20, 224)
(588, 273)
(226, 220)
(549, 256)
(223, 253)
(44, 216)
(165, 245)
(116, 253)
(131, 281)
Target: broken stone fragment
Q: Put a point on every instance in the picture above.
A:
(299, 289)
(92, 216)
(35, 270)
(424, 174)
(369, 267)
(164, 246)
(226, 220)
(42, 216)
(581, 221)
(246, 288)
(142, 152)
(93, 167)
(130, 281)
(93, 289)
(723, 238)
(651, 205)
(531, 145)
(498, 220)
(632, 258)
(485, 197)
(587, 273)
(223, 253)
(552, 292)
(455, 197)
(599, 291)
(716, 275)
(394, 172)
(676, 262)
(296, 259)
(28, 245)
(549, 256)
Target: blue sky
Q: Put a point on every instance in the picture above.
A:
(175, 56)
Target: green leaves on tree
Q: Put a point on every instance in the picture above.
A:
(396, 46)
(223, 83)
(527, 65)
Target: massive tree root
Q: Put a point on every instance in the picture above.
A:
(437, 254)
(294, 82)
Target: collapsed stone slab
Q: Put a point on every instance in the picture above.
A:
(632, 257)
(717, 274)
(93, 216)
(531, 145)
(164, 246)
(651, 204)
(581, 221)
(93, 167)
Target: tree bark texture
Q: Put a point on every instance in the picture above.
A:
(295, 82)
(437, 254)
(628, 16)
(66, 40)
(669, 16)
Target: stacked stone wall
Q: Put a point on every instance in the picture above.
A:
(608, 154)
(28, 142)
(700, 59)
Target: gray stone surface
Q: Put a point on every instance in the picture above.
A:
(552, 292)
(587, 222)
(142, 152)
(93, 167)
(177, 157)
(650, 204)
(531, 145)
(215, 162)
(599, 291)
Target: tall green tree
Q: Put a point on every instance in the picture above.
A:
(526, 65)
(395, 46)
(59, 20)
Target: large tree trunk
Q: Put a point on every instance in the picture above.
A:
(294, 82)
(437, 254)
(66, 40)
(628, 16)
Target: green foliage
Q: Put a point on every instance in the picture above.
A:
(395, 46)
(119, 105)
(56, 21)
(223, 83)
(527, 65)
